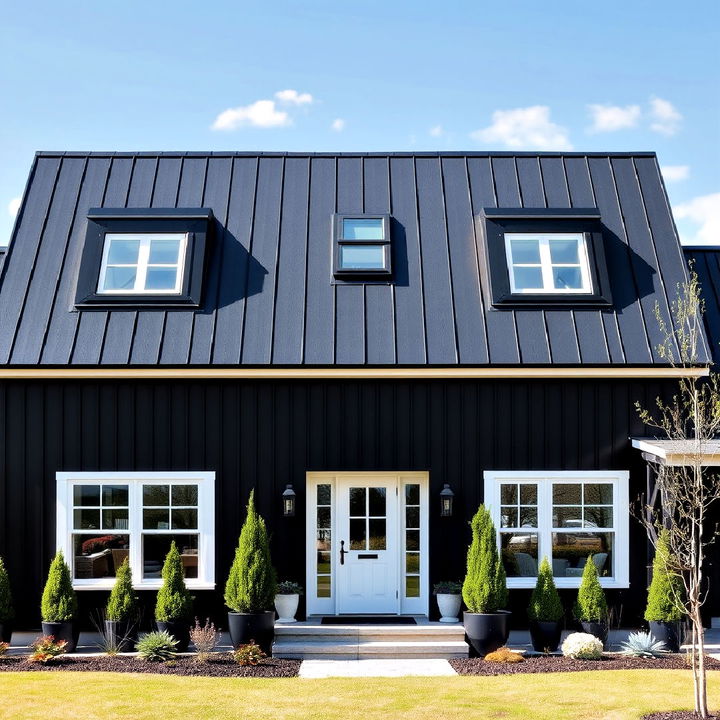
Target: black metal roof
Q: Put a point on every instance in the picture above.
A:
(269, 296)
(706, 262)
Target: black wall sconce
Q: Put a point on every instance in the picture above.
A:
(446, 501)
(288, 498)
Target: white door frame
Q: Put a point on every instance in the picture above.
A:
(328, 605)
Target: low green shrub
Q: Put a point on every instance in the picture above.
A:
(591, 605)
(666, 588)
(545, 604)
(174, 602)
(158, 646)
(59, 603)
(122, 602)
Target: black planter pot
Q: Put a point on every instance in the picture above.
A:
(180, 630)
(68, 631)
(124, 633)
(252, 627)
(6, 631)
(598, 629)
(667, 632)
(545, 635)
(486, 632)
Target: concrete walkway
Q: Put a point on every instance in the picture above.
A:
(375, 668)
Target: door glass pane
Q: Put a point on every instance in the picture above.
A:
(323, 586)
(156, 547)
(323, 562)
(357, 534)
(377, 501)
(377, 535)
(412, 539)
(412, 494)
(156, 494)
(519, 553)
(323, 540)
(98, 556)
(357, 502)
(570, 552)
(363, 229)
(412, 517)
(323, 494)
(412, 562)
(184, 495)
(323, 517)
(412, 586)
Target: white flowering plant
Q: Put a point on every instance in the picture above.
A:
(582, 646)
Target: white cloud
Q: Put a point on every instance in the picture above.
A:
(338, 125)
(14, 206)
(675, 173)
(665, 117)
(293, 97)
(609, 118)
(261, 114)
(528, 127)
(703, 211)
(436, 131)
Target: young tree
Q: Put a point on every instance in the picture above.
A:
(121, 604)
(687, 492)
(59, 603)
(174, 602)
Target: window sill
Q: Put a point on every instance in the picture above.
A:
(108, 584)
(564, 583)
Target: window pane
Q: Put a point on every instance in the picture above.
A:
(412, 586)
(412, 540)
(156, 494)
(357, 501)
(115, 495)
(86, 495)
(528, 278)
(377, 501)
(164, 251)
(323, 495)
(119, 278)
(324, 540)
(115, 519)
(567, 517)
(519, 553)
(357, 535)
(598, 516)
(98, 556)
(184, 519)
(564, 251)
(123, 252)
(412, 517)
(362, 257)
(598, 493)
(86, 519)
(525, 251)
(184, 495)
(528, 517)
(160, 278)
(412, 562)
(567, 278)
(508, 516)
(528, 494)
(412, 494)
(363, 229)
(156, 547)
(156, 519)
(377, 535)
(570, 552)
(508, 494)
(323, 586)
(323, 517)
(566, 494)
(323, 562)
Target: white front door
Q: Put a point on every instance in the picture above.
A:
(367, 545)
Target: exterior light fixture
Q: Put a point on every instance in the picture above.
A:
(288, 498)
(446, 501)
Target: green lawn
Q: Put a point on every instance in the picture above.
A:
(98, 696)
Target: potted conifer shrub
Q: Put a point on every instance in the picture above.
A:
(485, 589)
(120, 612)
(7, 611)
(545, 611)
(59, 604)
(665, 597)
(173, 609)
(251, 585)
(591, 607)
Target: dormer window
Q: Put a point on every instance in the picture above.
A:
(362, 245)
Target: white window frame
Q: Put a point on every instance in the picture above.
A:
(546, 264)
(143, 263)
(135, 481)
(544, 481)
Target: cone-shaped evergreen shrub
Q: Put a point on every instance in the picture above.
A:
(485, 586)
(121, 604)
(666, 588)
(7, 611)
(252, 582)
(59, 603)
(545, 604)
(591, 605)
(174, 602)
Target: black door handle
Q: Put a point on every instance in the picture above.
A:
(343, 551)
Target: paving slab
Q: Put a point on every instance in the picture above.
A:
(375, 668)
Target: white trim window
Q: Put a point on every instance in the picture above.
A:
(565, 516)
(548, 263)
(105, 517)
(142, 264)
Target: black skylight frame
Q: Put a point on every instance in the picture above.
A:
(495, 222)
(196, 223)
(338, 241)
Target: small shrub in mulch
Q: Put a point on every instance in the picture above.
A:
(219, 665)
(553, 663)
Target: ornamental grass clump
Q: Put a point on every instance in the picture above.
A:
(591, 605)
(7, 611)
(545, 604)
(665, 594)
(643, 644)
(59, 603)
(252, 583)
(174, 602)
(504, 655)
(582, 646)
(158, 646)
(485, 587)
(121, 605)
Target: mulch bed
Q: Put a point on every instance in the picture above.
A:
(219, 665)
(555, 663)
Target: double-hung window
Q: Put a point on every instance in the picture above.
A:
(362, 245)
(105, 518)
(565, 516)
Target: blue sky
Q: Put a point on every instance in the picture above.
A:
(368, 75)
